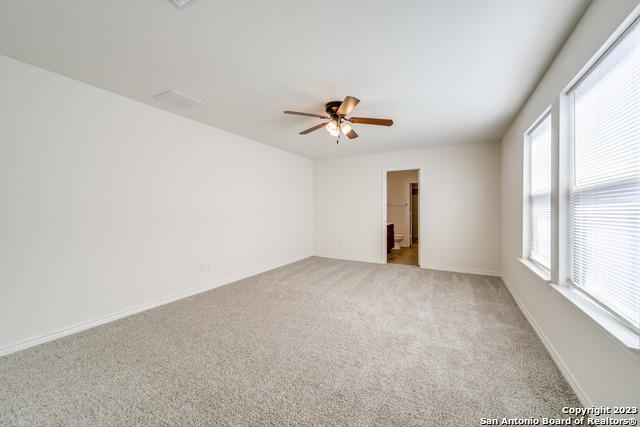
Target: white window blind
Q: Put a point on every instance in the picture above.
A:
(538, 213)
(604, 181)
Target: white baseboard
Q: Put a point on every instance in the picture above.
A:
(429, 267)
(566, 373)
(12, 348)
(350, 258)
(462, 270)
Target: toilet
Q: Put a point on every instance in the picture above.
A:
(397, 238)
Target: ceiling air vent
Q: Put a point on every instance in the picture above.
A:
(181, 3)
(177, 99)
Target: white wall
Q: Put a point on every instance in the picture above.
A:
(107, 204)
(460, 206)
(601, 370)
(398, 193)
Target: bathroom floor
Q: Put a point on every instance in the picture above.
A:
(407, 256)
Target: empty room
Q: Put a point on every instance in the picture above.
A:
(281, 212)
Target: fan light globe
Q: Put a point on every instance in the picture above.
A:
(332, 128)
(345, 128)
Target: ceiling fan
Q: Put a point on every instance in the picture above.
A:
(336, 113)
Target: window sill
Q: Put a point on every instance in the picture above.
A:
(542, 273)
(602, 318)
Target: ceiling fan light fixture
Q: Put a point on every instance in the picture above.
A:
(336, 114)
(332, 128)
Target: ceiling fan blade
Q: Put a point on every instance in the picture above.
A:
(347, 105)
(370, 121)
(298, 113)
(352, 134)
(316, 127)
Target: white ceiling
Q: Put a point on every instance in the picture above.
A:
(445, 71)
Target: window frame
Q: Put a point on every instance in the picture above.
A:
(526, 194)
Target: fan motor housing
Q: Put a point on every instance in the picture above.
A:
(332, 107)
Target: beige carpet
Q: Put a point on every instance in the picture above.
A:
(318, 342)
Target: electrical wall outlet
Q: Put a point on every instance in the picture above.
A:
(206, 268)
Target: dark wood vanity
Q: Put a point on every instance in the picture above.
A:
(389, 238)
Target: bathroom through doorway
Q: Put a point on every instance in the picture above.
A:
(402, 216)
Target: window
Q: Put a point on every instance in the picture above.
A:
(604, 180)
(538, 192)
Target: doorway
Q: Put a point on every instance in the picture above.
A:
(401, 215)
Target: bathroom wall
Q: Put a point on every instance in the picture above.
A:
(398, 193)
(109, 206)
